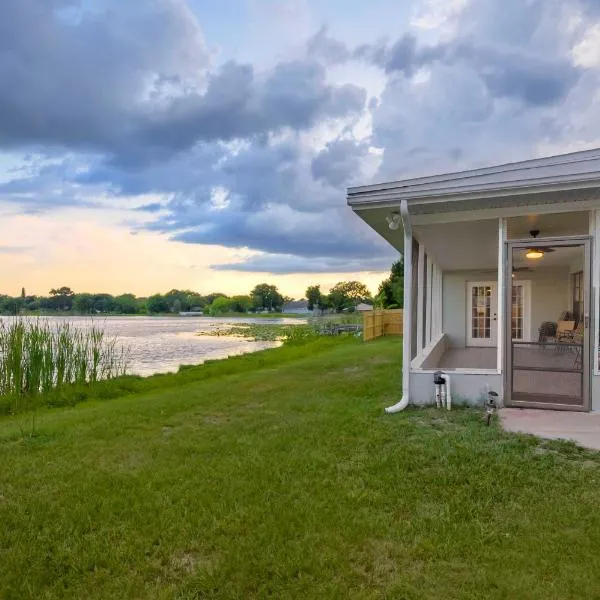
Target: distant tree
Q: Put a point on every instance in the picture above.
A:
(210, 298)
(266, 297)
(391, 290)
(62, 291)
(83, 304)
(157, 304)
(63, 298)
(104, 303)
(345, 295)
(241, 304)
(23, 294)
(313, 296)
(126, 304)
(219, 306)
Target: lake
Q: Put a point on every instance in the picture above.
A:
(161, 344)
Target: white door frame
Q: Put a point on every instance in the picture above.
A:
(491, 341)
(526, 284)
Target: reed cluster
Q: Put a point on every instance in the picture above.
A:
(37, 357)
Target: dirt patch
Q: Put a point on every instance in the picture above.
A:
(191, 562)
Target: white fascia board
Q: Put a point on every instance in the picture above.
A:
(562, 160)
(481, 191)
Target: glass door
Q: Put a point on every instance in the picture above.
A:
(550, 367)
(482, 313)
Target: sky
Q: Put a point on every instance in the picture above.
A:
(156, 144)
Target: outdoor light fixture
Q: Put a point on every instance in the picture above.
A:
(393, 221)
(534, 253)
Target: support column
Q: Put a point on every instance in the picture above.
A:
(437, 302)
(595, 295)
(501, 335)
(429, 301)
(420, 296)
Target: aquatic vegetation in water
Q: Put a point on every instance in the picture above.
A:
(36, 358)
(265, 332)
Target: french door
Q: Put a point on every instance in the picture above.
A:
(482, 313)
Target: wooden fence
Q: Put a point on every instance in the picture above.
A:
(377, 323)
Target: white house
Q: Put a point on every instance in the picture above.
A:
(364, 307)
(496, 260)
(298, 307)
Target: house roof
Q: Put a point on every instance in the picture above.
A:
(364, 306)
(574, 171)
(296, 304)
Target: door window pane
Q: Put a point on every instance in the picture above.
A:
(481, 311)
(517, 312)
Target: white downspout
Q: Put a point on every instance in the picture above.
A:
(406, 328)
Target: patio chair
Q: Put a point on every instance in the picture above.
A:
(575, 339)
(564, 334)
(547, 332)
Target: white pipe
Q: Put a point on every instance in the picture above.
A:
(406, 330)
(448, 392)
(438, 395)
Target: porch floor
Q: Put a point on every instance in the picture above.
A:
(582, 428)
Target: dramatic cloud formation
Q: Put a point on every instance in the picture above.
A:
(104, 104)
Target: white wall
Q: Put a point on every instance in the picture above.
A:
(470, 390)
(549, 295)
(454, 310)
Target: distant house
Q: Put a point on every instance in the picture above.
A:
(297, 307)
(363, 307)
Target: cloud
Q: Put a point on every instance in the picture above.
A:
(133, 80)
(340, 162)
(13, 249)
(279, 264)
(126, 104)
(151, 207)
(83, 81)
(327, 49)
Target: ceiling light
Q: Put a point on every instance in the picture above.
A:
(534, 253)
(393, 221)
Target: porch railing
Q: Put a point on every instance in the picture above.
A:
(379, 323)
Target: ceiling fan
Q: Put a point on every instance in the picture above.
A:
(535, 252)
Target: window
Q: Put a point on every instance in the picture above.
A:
(577, 291)
(517, 312)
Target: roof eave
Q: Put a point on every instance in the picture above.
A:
(358, 198)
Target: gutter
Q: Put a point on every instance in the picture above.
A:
(406, 323)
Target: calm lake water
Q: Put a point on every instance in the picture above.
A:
(161, 344)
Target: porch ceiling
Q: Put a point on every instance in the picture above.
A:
(461, 246)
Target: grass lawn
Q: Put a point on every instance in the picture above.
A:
(282, 477)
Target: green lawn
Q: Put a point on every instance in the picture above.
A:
(282, 477)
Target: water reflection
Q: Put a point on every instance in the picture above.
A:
(161, 344)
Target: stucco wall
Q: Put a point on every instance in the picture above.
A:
(468, 390)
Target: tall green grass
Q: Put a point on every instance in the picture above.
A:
(37, 358)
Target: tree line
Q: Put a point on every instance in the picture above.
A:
(344, 296)
(263, 297)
